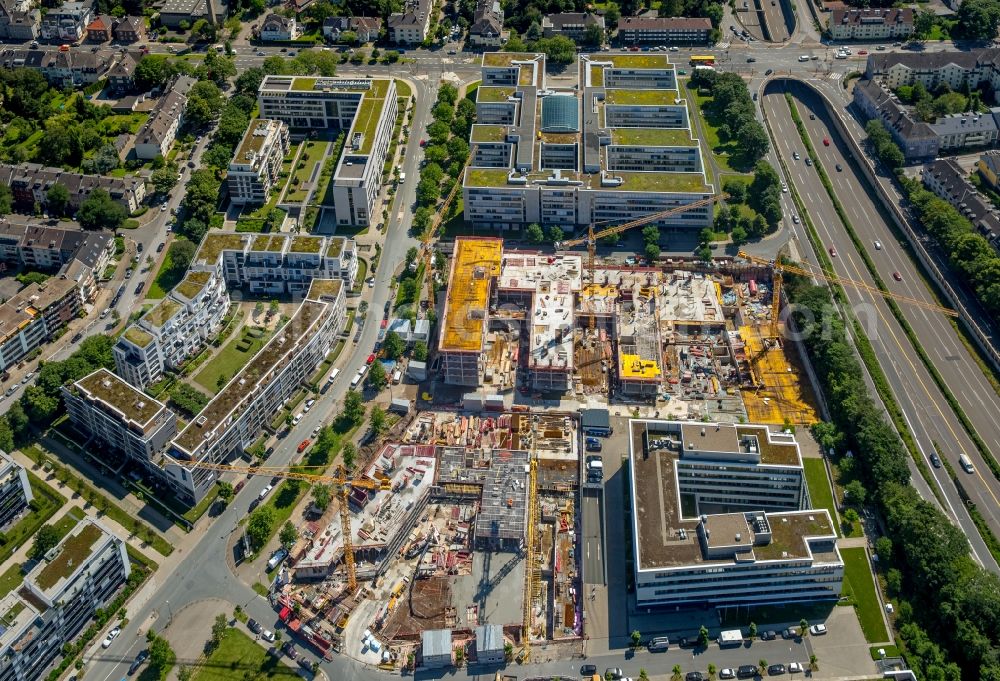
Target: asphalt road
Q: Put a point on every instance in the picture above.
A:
(927, 412)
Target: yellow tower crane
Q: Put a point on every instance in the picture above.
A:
(340, 480)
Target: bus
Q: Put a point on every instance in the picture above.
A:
(703, 59)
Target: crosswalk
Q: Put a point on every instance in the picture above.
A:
(722, 46)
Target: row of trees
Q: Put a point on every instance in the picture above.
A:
(949, 606)
(445, 153)
(558, 49)
(882, 143)
(731, 103)
(929, 107)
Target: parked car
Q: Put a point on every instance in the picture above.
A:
(776, 670)
(302, 445)
(769, 635)
(277, 558)
(112, 635)
(790, 633)
(160, 246)
(267, 635)
(137, 662)
(613, 672)
(588, 670)
(818, 629)
(794, 668)
(747, 671)
(694, 676)
(727, 673)
(289, 649)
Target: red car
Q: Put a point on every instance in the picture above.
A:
(897, 276)
(371, 358)
(423, 143)
(862, 51)
(833, 252)
(826, 141)
(305, 443)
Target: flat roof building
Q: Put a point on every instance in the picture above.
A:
(720, 518)
(15, 491)
(364, 108)
(256, 163)
(618, 147)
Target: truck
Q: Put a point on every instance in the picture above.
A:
(730, 637)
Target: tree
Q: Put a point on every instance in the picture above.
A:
(753, 630)
(739, 235)
(923, 23)
(6, 200)
(349, 454)
(219, 628)
(153, 70)
(249, 81)
(184, 673)
(419, 352)
(556, 234)
(204, 104)
(643, 675)
(226, 492)
(45, 539)
(676, 672)
(803, 626)
(652, 251)
(259, 526)
(703, 636)
(354, 408)
(57, 198)
(321, 496)
(393, 345)
(593, 35)
(161, 656)
(752, 139)
(636, 637)
(288, 534)
(163, 180)
(711, 670)
(100, 211)
(377, 378)
(978, 19)
(181, 254)
(535, 233)
(377, 420)
(855, 493)
(558, 49)
(762, 665)
(883, 549)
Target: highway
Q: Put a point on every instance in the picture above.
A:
(927, 412)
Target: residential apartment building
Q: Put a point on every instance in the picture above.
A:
(117, 417)
(487, 25)
(988, 166)
(99, 29)
(572, 25)
(958, 70)
(871, 24)
(278, 27)
(174, 329)
(173, 12)
(121, 77)
(366, 29)
(916, 138)
(664, 30)
(30, 183)
(131, 29)
(64, 69)
(68, 22)
(412, 25)
(34, 315)
(15, 491)
(19, 20)
(759, 543)
(50, 248)
(619, 147)
(237, 415)
(282, 264)
(363, 107)
(961, 131)
(950, 182)
(157, 134)
(58, 597)
(257, 161)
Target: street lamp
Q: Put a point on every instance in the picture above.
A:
(170, 613)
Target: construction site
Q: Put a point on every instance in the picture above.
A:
(693, 342)
(444, 526)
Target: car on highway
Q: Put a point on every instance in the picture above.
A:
(769, 72)
(776, 670)
(784, 187)
(588, 669)
(751, 60)
(812, 116)
(839, 168)
(261, 53)
(137, 662)
(826, 141)
(897, 276)
(809, 161)
(727, 673)
(452, 52)
(795, 219)
(862, 52)
(833, 252)
(423, 143)
(795, 155)
(878, 245)
(112, 635)
(163, 208)
(935, 460)
(303, 445)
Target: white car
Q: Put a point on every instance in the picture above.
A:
(298, 417)
(309, 404)
(267, 635)
(817, 629)
(794, 668)
(112, 635)
(784, 188)
(163, 207)
(878, 245)
(727, 673)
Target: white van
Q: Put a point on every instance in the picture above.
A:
(264, 492)
(396, 375)
(402, 178)
(356, 381)
(334, 374)
(966, 463)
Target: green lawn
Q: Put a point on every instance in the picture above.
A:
(11, 579)
(237, 658)
(315, 149)
(230, 360)
(728, 155)
(819, 486)
(47, 502)
(166, 277)
(859, 588)
(69, 520)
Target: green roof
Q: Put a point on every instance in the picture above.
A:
(252, 142)
(559, 137)
(268, 243)
(493, 93)
(336, 247)
(692, 183)
(368, 114)
(596, 75)
(192, 284)
(112, 390)
(501, 59)
(214, 244)
(306, 244)
(324, 287)
(489, 133)
(650, 97)
(487, 177)
(526, 76)
(652, 137)
(636, 61)
(162, 313)
(137, 336)
(304, 83)
(73, 552)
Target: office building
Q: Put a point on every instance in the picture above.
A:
(618, 148)
(58, 597)
(176, 328)
(363, 107)
(720, 517)
(256, 164)
(120, 419)
(871, 23)
(234, 419)
(664, 30)
(15, 491)
(173, 12)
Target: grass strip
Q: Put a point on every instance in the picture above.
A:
(820, 491)
(861, 343)
(859, 587)
(892, 304)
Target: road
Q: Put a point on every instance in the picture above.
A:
(927, 413)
